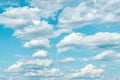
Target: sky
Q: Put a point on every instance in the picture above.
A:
(59, 40)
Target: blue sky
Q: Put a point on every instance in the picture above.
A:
(59, 40)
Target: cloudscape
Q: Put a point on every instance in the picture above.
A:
(59, 39)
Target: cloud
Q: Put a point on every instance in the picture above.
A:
(29, 64)
(68, 59)
(52, 6)
(27, 26)
(90, 12)
(35, 67)
(40, 53)
(100, 40)
(37, 60)
(108, 55)
(37, 44)
(89, 71)
(44, 73)
(39, 29)
(14, 19)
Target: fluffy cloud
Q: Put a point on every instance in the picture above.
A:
(31, 63)
(35, 67)
(37, 43)
(40, 53)
(18, 17)
(39, 29)
(109, 55)
(100, 40)
(28, 26)
(90, 12)
(32, 24)
(89, 71)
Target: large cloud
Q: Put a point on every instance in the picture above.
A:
(90, 12)
(100, 40)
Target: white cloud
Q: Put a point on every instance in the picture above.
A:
(108, 55)
(89, 71)
(100, 40)
(18, 17)
(37, 43)
(39, 29)
(15, 67)
(68, 59)
(52, 6)
(65, 49)
(28, 26)
(44, 73)
(29, 63)
(40, 53)
(90, 12)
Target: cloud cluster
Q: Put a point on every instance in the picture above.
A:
(90, 12)
(89, 71)
(38, 66)
(31, 23)
(100, 40)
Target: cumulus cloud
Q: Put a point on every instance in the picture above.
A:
(108, 55)
(28, 26)
(37, 43)
(90, 12)
(40, 53)
(32, 24)
(18, 17)
(39, 29)
(31, 63)
(100, 40)
(89, 71)
(35, 67)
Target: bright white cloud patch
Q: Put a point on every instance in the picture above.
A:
(39, 29)
(109, 55)
(40, 53)
(37, 43)
(100, 40)
(18, 17)
(29, 64)
(89, 71)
